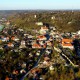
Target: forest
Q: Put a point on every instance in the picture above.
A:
(67, 21)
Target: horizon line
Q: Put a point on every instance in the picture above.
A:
(38, 9)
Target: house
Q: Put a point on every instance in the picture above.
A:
(52, 32)
(53, 28)
(49, 43)
(32, 42)
(15, 72)
(23, 65)
(7, 38)
(48, 52)
(41, 42)
(14, 38)
(44, 30)
(26, 34)
(67, 43)
(57, 36)
(78, 32)
(51, 68)
(10, 44)
(49, 47)
(44, 46)
(38, 53)
(22, 71)
(73, 34)
(51, 39)
(39, 23)
(41, 37)
(46, 58)
(30, 55)
(7, 78)
(4, 39)
(30, 36)
(33, 71)
(36, 46)
(1, 48)
(5, 31)
(46, 61)
(21, 30)
(8, 23)
(35, 16)
(23, 44)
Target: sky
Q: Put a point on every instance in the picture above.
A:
(39, 4)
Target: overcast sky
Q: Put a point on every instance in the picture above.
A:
(39, 4)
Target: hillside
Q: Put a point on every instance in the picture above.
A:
(64, 20)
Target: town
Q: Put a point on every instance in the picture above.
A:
(43, 55)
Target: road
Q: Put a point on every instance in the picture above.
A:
(36, 64)
(64, 56)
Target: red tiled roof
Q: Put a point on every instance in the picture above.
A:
(41, 36)
(44, 27)
(36, 45)
(12, 38)
(66, 42)
(7, 78)
(10, 44)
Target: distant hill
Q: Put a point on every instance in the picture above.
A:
(63, 20)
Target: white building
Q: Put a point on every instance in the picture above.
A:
(23, 44)
(39, 23)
